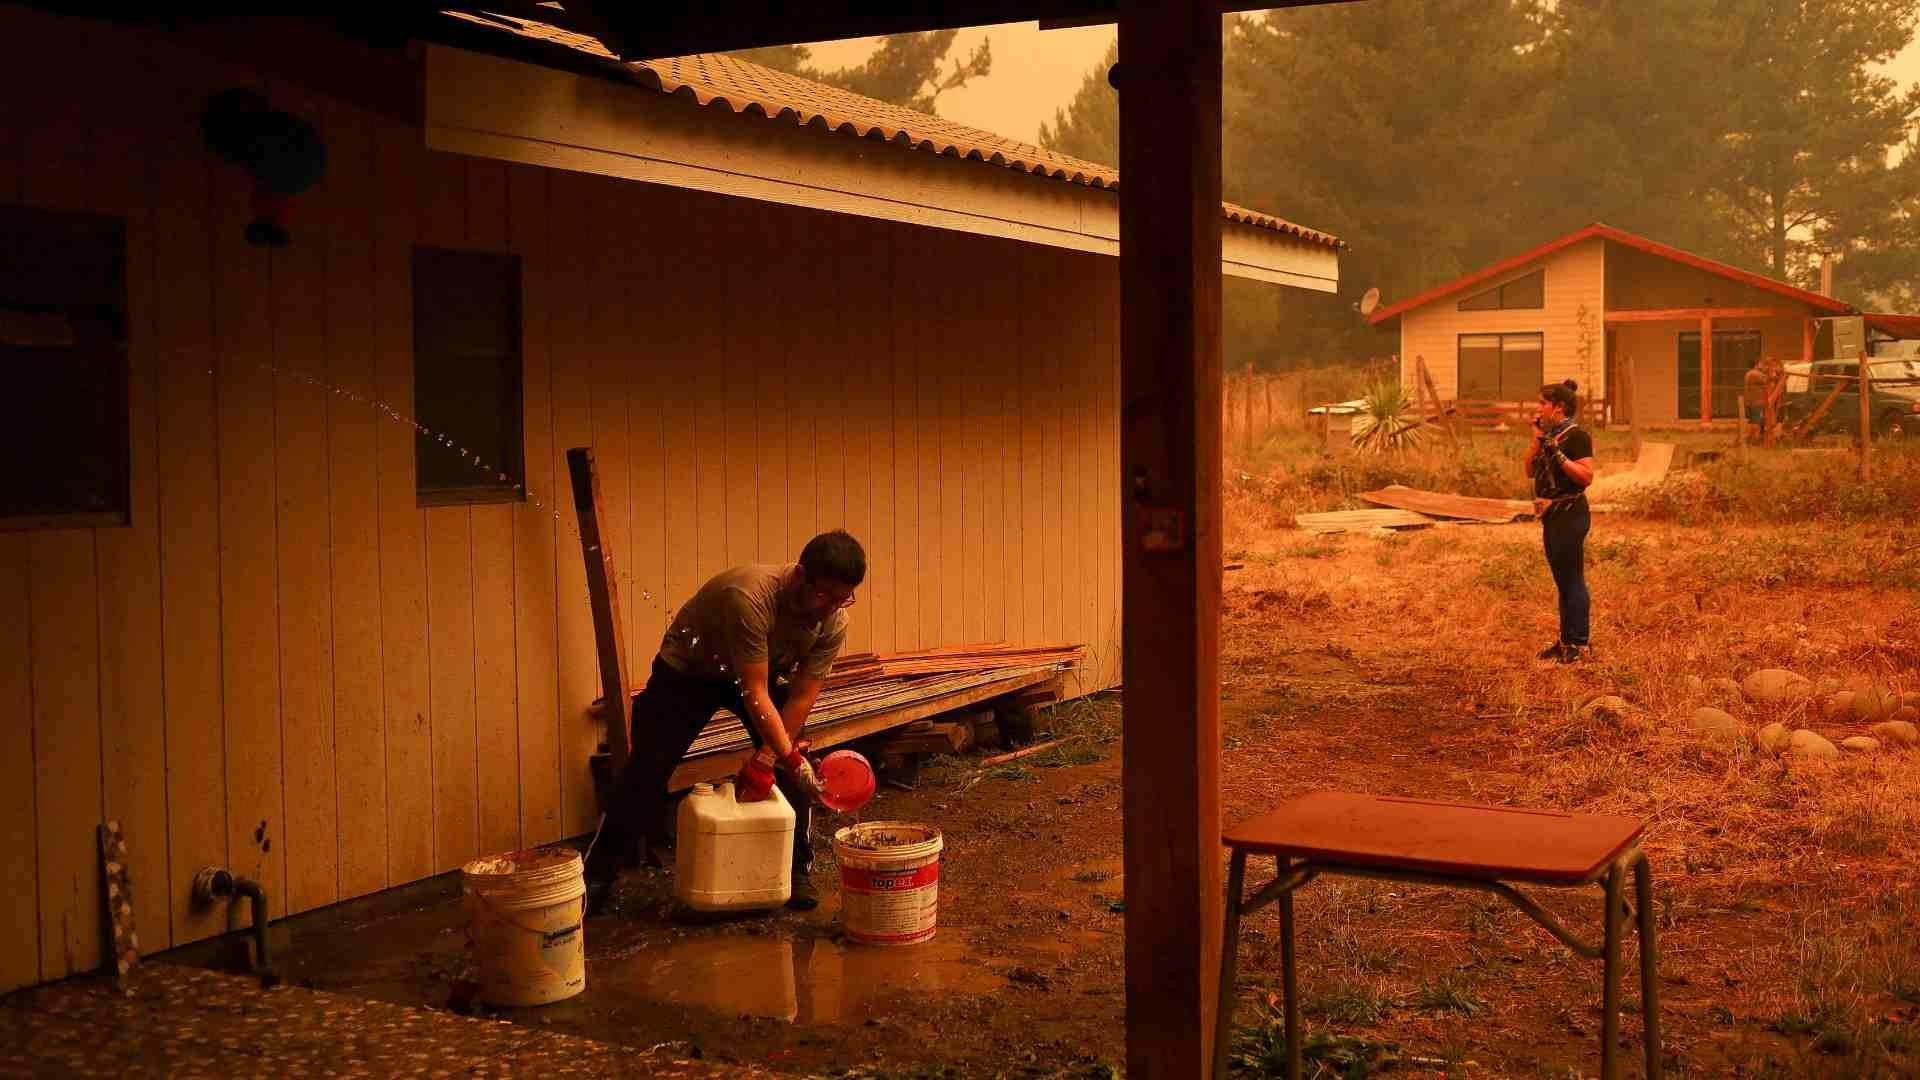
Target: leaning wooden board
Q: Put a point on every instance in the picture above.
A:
(725, 731)
(1437, 504)
(720, 766)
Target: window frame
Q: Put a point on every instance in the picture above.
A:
(120, 375)
(1460, 343)
(514, 490)
(1499, 293)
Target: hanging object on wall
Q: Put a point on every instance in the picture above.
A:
(283, 154)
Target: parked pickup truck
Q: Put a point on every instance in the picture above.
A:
(1894, 403)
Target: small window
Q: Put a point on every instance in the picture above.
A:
(1501, 367)
(466, 376)
(1522, 293)
(63, 301)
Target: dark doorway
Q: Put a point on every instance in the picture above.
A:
(1734, 351)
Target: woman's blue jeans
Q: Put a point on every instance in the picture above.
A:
(1564, 530)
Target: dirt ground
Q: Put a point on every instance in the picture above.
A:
(1787, 892)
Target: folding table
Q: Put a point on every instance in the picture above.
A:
(1455, 844)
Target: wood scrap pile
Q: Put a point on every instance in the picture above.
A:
(862, 685)
(933, 737)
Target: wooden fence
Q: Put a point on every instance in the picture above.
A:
(1256, 405)
(1487, 414)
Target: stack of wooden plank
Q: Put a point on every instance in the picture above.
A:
(932, 737)
(862, 685)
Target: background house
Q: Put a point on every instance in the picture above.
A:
(1586, 304)
(275, 627)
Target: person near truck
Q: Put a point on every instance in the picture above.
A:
(758, 640)
(1560, 461)
(1765, 382)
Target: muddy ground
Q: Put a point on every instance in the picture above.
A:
(1343, 667)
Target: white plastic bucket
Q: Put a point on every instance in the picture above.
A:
(889, 881)
(524, 915)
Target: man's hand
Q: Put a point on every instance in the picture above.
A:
(755, 781)
(801, 771)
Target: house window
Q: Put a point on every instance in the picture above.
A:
(1529, 292)
(1501, 367)
(466, 376)
(63, 344)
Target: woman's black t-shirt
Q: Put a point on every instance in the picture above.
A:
(1549, 482)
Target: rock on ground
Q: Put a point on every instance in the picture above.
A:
(1838, 705)
(1908, 713)
(1607, 707)
(1771, 686)
(1897, 732)
(1726, 689)
(1773, 738)
(1874, 704)
(1860, 743)
(1716, 726)
(1811, 744)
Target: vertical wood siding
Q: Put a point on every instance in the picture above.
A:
(1575, 276)
(286, 666)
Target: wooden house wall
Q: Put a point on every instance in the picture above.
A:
(285, 666)
(1575, 279)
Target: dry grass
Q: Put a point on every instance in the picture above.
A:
(1788, 891)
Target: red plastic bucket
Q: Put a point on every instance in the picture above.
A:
(846, 781)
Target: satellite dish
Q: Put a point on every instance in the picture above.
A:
(1369, 301)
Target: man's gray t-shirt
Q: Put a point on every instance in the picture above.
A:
(746, 615)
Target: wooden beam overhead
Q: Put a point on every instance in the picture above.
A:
(1107, 18)
(1170, 446)
(636, 31)
(1696, 314)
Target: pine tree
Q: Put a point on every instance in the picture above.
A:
(904, 69)
(1089, 126)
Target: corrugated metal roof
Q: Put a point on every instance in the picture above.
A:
(717, 80)
(1902, 327)
(1618, 236)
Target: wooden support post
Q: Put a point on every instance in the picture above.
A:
(1170, 367)
(1267, 384)
(1820, 412)
(1425, 378)
(1866, 421)
(1707, 361)
(1631, 390)
(1740, 429)
(603, 593)
(1247, 415)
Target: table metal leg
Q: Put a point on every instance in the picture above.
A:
(1229, 952)
(1289, 988)
(1610, 976)
(1649, 965)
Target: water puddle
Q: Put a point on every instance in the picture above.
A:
(802, 981)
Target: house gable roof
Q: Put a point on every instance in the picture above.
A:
(1618, 236)
(717, 80)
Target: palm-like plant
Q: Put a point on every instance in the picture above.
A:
(1386, 419)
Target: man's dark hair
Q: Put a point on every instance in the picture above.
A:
(1562, 394)
(835, 555)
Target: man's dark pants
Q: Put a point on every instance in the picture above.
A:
(667, 717)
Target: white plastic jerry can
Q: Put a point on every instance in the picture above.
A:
(733, 856)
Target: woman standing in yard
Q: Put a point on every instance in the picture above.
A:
(1560, 461)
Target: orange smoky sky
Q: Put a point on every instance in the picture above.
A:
(1035, 72)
